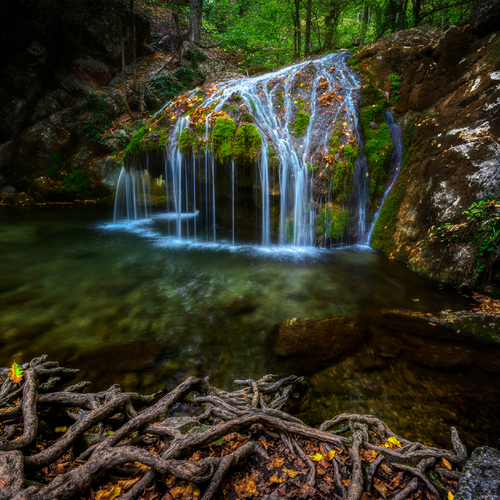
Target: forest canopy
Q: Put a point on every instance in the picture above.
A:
(273, 33)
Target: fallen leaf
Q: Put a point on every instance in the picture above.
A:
(276, 479)
(126, 484)
(108, 493)
(317, 457)
(291, 473)
(16, 373)
(381, 489)
(331, 454)
(450, 495)
(446, 463)
(189, 490)
(276, 462)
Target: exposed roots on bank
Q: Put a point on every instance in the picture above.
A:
(75, 445)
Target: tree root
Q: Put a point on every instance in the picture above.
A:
(112, 434)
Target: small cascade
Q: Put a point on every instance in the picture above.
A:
(394, 169)
(280, 152)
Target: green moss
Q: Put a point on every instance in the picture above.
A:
(377, 140)
(385, 228)
(246, 117)
(353, 62)
(135, 144)
(248, 142)
(332, 222)
(302, 120)
(223, 137)
(279, 95)
(187, 141)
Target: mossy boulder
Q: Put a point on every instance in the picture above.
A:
(247, 143)
(223, 138)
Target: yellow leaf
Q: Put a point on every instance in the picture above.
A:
(393, 440)
(290, 473)
(60, 429)
(367, 174)
(446, 463)
(317, 457)
(450, 495)
(190, 489)
(295, 102)
(141, 466)
(331, 454)
(108, 494)
(127, 484)
(276, 479)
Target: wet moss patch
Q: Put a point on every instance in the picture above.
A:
(248, 142)
(222, 137)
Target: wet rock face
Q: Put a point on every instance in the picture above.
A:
(449, 100)
(309, 342)
(480, 479)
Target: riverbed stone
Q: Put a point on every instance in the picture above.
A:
(316, 340)
(480, 479)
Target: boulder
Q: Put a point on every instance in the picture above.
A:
(480, 478)
(105, 171)
(315, 341)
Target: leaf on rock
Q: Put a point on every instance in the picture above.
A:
(16, 373)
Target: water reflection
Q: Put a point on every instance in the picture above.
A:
(124, 304)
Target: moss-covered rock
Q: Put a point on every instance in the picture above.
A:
(247, 143)
(223, 137)
(132, 150)
(332, 222)
(302, 120)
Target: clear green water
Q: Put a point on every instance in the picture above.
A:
(129, 305)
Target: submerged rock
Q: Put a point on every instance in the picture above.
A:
(310, 341)
(480, 478)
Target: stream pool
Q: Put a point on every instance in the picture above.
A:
(127, 304)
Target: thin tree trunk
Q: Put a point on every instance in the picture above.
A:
(195, 14)
(307, 46)
(124, 82)
(134, 51)
(364, 25)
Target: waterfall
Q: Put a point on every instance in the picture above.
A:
(296, 111)
(394, 169)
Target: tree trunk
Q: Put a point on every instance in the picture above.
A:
(134, 51)
(307, 46)
(364, 25)
(124, 81)
(195, 13)
(298, 29)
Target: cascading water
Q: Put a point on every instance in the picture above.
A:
(311, 183)
(394, 168)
